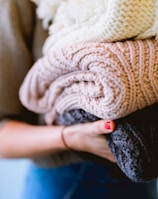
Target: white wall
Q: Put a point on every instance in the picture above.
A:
(11, 177)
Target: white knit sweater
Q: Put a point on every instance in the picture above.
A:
(74, 21)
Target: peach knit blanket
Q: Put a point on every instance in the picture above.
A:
(109, 80)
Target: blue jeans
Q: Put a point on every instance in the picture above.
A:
(82, 181)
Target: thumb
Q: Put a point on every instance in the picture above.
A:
(104, 126)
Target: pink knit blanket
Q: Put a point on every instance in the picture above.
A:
(109, 80)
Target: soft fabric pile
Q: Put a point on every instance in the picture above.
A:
(101, 61)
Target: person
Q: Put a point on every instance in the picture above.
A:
(21, 134)
(79, 76)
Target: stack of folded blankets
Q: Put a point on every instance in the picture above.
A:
(101, 62)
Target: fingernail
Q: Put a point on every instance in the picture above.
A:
(108, 125)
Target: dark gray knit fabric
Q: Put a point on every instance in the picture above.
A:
(134, 143)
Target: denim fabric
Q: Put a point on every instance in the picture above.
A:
(82, 181)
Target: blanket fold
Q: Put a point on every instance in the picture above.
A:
(109, 80)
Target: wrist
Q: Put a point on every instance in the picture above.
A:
(64, 141)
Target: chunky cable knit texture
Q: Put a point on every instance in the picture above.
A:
(134, 143)
(97, 21)
(109, 80)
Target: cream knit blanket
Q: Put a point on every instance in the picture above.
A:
(109, 80)
(75, 21)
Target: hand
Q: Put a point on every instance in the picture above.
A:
(89, 137)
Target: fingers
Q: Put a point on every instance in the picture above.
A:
(109, 156)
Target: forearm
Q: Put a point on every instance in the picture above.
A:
(22, 140)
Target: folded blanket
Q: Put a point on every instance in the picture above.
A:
(134, 143)
(109, 80)
(75, 21)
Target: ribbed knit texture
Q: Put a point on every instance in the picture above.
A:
(109, 80)
(75, 21)
(134, 143)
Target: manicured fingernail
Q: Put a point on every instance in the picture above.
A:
(108, 125)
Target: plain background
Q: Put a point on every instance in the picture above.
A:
(12, 173)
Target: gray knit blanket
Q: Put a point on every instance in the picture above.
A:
(134, 143)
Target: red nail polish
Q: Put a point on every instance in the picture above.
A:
(108, 125)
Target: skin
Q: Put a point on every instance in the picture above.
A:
(22, 140)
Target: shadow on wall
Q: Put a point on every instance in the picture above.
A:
(11, 177)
